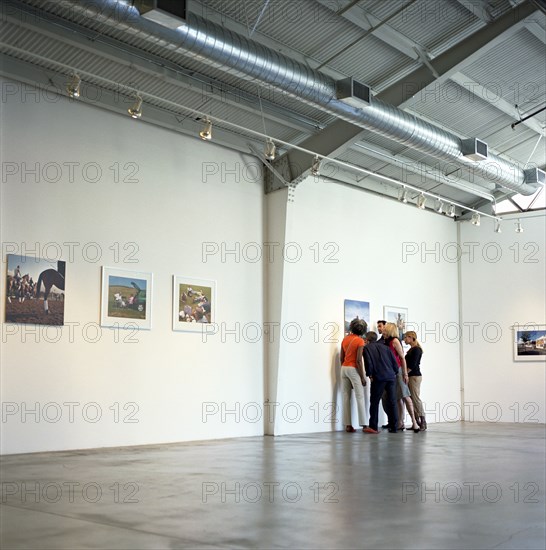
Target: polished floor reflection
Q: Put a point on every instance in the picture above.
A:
(460, 485)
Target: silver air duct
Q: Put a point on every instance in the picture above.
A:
(212, 44)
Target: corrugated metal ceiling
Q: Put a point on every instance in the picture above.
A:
(317, 32)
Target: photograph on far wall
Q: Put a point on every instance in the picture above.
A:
(354, 309)
(398, 316)
(126, 300)
(530, 343)
(194, 303)
(34, 290)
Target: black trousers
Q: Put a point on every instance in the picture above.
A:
(389, 402)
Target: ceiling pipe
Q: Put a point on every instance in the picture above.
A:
(216, 46)
(425, 171)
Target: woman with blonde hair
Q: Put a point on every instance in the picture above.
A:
(413, 362)
(403, 395)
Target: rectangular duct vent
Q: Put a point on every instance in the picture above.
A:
(534, 175)
(475, 149)
(353, 92)
(169, 13)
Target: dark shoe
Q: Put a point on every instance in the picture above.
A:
(416, 430)
(385, 426)
(401, 428)
(369, 431)
(350, 429)
(392, 431)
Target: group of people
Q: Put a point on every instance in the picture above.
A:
(395, 377)
(20, 287)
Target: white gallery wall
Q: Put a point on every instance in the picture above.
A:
(130, 196)
(106, 190)
(356, 245)
(503, 284)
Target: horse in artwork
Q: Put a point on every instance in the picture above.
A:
(50, 278)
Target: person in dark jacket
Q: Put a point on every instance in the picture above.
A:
(413, 361)
(381, 368)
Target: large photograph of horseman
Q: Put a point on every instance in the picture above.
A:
(126, 295)
(35, 290)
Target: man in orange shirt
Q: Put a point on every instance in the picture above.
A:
(352, 372)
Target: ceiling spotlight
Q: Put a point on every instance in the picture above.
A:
(498, 226)
(475, 219)
(73, 86)
(451, 211)
(270, 151)
(519, 227)
(403, 196)
(439, 206)
(315, 167)
(421, 201)
(136, 109)
(206, 133)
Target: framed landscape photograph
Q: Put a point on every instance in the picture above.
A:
(530, 343)
(194, 303)
(354, 309)
(126, 300)
(398, 316)
(34, 290)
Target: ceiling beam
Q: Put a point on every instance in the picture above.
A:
(534, 28)
(491, 97)
(479, 8)
(360, 17)
(339, 136)
(459, 56)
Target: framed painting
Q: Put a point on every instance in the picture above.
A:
(398, 316)
(354, 309)
(35, 290)
(194, 303)
(530, 342)
(126, 300)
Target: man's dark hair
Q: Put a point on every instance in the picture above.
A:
(358, 327)
(371, 336)
(382, 321)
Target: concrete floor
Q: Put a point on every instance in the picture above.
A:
(472, 485)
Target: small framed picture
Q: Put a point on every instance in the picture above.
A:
(530, 342)
(194, 303)
(126, 300)
(355, 309)
(398, 316)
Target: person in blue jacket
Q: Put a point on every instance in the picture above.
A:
(381, 368)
